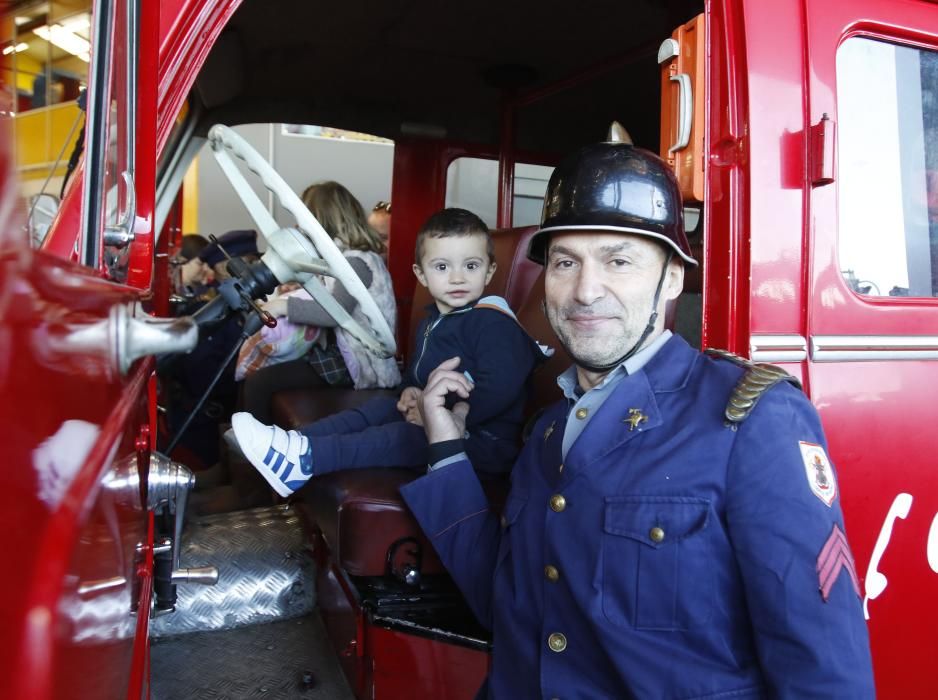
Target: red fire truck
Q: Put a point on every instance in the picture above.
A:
(805, 137)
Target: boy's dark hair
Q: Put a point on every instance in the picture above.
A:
(453, 222)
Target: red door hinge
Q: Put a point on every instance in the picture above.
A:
(821, 152)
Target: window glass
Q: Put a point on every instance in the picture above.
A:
(530, 187)
(888, 168)
(119, 159)
(44, 47)
(472, 183)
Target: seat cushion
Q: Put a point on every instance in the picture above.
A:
(361, 514)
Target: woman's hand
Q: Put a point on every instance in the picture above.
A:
(439, 422)
(276, 307)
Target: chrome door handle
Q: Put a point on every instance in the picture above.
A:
(121, 235)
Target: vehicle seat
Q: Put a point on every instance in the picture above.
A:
(360, 512)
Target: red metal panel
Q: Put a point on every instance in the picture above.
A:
(188, 30)
(140, 269)
(72, 502)
(776, 167)
(726, 233)
(405, 665)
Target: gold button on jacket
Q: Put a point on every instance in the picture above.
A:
(558, 503)
(656, 534)
(551, 573)
(582, 413)
(557, 642)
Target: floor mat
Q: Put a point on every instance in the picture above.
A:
(276, 661)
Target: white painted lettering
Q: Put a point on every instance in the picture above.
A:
(932, 547)
(875, 581)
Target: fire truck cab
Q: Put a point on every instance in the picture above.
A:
(805, 138)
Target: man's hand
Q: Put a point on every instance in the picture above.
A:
(439, 422)
(407, 405)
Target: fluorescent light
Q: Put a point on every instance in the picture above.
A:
(22, 46)
(66, 40)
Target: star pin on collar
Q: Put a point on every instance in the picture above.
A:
(550, 429)
(636, 417)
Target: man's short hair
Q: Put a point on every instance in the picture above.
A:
(453, 222)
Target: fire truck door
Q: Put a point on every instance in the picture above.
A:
(872, 312)
(74, 400)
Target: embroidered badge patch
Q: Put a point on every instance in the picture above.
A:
(818, 470)
(835, 557)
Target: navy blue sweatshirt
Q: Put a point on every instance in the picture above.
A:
(495, 351)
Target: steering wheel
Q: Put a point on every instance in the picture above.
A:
(300, 255)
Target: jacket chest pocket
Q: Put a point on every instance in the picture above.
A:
(657, 568)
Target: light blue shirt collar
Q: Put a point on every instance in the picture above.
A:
(567, 381)
(584, 405)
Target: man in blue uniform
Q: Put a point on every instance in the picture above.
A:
(673, 528)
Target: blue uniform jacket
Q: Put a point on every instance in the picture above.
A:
(676, 559)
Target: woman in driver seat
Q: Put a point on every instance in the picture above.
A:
(336, 358)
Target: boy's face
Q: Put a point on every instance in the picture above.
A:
(455, 270)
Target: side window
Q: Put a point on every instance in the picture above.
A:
(472, 183)
(109, 203)
(887, 135)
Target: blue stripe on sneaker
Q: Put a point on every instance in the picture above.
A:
(275, 467)
(271, 453)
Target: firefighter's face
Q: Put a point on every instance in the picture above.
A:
(599, 289)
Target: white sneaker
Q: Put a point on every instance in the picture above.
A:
(282, 456)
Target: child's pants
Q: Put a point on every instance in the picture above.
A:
(376, 435)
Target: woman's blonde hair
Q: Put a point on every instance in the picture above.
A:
(342, 216)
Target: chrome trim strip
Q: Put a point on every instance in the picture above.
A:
(851, 348)
(778, 348)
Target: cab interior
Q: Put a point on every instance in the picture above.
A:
(513, 82)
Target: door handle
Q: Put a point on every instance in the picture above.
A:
(121, 234)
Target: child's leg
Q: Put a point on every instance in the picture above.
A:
(397, 444)
(287, 458)
(377, 411)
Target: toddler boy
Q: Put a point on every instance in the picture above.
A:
(454, 261)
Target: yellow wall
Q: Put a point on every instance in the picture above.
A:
(40, 137)
(26, 71)
(190, 198)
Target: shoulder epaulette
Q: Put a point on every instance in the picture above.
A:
(758, 379)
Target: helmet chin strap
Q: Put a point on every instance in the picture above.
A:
(600, 369)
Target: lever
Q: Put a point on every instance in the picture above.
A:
(168, 487)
